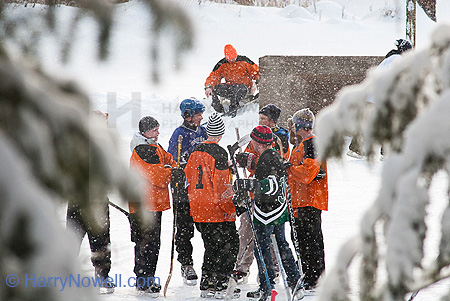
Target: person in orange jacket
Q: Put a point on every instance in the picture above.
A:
(155, 166)
(308, 183)
(238, 71)
(212, 208)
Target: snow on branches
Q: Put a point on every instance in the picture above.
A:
(409, 117)
(25, 27)
(53, 149)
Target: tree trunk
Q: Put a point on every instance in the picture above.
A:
(411, 21)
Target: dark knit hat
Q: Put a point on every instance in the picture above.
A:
(147, 123)
(303, 118)
(262, 134)
(271, 111)
(215, 126)
(403, 45)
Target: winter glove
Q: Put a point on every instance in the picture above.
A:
(238, 201)
(183, 160)
(178, 175)
(241, 185)
(246, 160)
(322, 173)
(286, 165)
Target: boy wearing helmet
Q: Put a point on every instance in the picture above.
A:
(238, 71)
(193, 134)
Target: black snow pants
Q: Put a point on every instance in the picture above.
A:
(232, 92)
(185, 227)
(147, 239)
(309, 233)
(93, 221)
(221, 243)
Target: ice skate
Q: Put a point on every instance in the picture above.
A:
(241, 277)
(207, 287)
(106, 287)
(189, 275)
(150, 291)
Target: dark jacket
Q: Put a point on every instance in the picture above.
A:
(191, 138)
(270, 201)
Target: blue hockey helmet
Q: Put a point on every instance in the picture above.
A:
(403, 45)
(191, 106)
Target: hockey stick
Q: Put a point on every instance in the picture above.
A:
(291, 216)
(413, 295)
(280, 264)
(232, 149)
(232, 283)
(127, 214)
(238, 136)
(300, 283)
(174, 227)
(238, 144)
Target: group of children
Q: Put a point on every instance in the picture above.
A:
(206, 197)
(199, 172)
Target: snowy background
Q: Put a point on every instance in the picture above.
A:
(340, 27)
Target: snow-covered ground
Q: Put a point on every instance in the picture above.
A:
(339, 27)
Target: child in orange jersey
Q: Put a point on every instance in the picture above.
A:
(212, 209)
(308, 183)
(154, 165)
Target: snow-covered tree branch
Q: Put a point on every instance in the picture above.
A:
(410, 118)
(53, 149)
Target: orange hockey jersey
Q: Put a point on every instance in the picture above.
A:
(208, 176)
(149, 160)
(306, 187)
